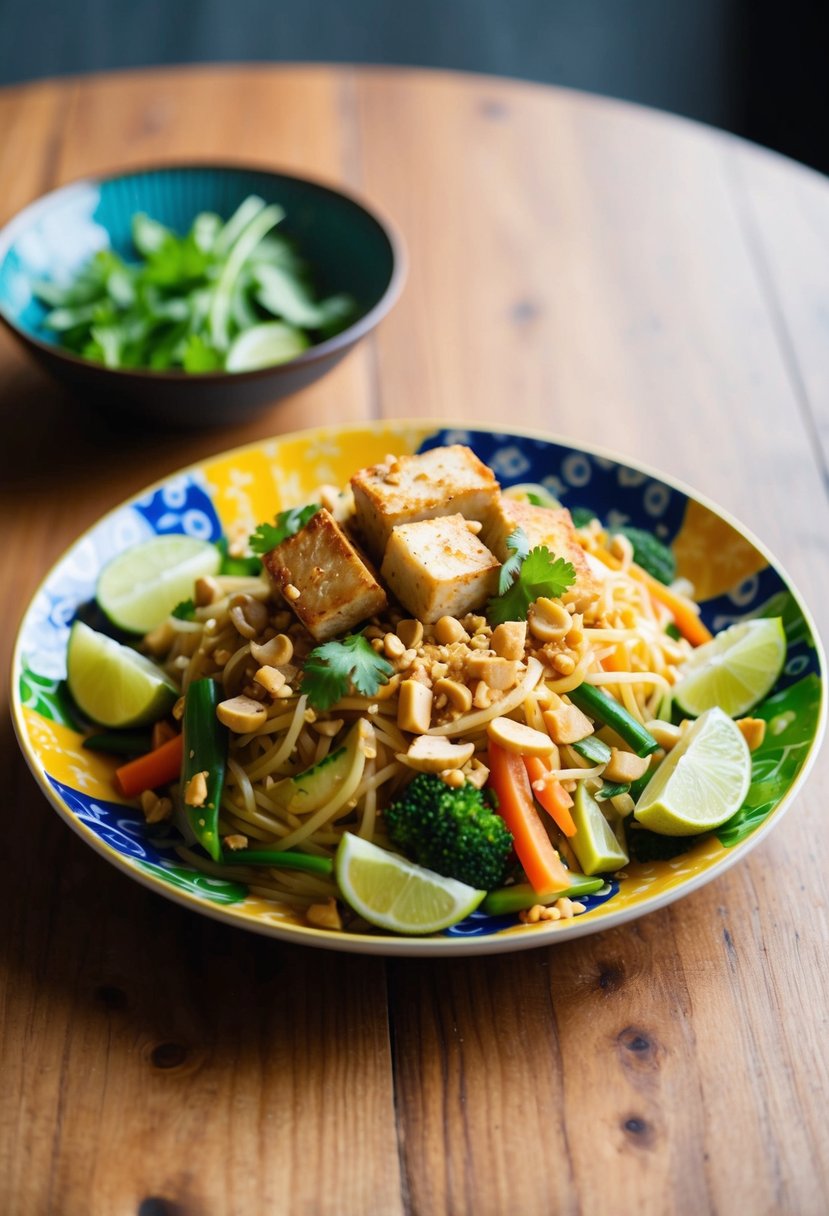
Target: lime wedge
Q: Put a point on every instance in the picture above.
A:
(264, 345)
(112, 684)
(701, 782)
(141, 586)
(395, 894)
(734, 670)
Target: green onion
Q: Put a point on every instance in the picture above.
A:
(205, 751)
(610, 789)
(592, 749)
(602, 708)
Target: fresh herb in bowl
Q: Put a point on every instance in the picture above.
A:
(230, 295)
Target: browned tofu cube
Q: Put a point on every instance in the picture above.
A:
(445, 481)
(543, 526)
(336, 589)
(437, 567)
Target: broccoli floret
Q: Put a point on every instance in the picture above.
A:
(649, 553)
(454, 832)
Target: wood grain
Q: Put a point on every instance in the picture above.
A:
(580, 266)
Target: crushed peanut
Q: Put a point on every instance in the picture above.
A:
(235, 841)
(195, 791)
(155, 809)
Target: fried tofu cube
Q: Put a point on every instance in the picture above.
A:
(548, 526)
(445, 481)
(437, 567)
(336, 589)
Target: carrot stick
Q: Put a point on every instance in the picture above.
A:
(552, 795)
(617, 660)
(149, 772)
(508, 778)
(685, 615)
(687, 620)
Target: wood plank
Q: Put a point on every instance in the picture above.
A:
(151, 1054)
(585, 268)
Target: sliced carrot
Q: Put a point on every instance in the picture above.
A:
(508, 778)
(617, 660)
(684, 611)
(552, 795)
(685, 615)
(150, 772)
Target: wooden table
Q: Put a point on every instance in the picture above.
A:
(610, 274)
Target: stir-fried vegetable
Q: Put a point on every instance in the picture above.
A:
(204, 763)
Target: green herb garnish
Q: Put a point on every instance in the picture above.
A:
(286, 523)
(332, 668)
(186, 301)
(535, 573)
(185, 611)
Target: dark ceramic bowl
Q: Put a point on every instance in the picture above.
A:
(349, 248)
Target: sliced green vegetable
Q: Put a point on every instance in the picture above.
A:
(592, 749)
(650, 553)
(595, 844)
(205, 751)
(603, 708)
(284, 860)
(521, 895)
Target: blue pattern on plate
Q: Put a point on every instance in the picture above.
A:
(618, 494)
(181, 505)
(117, 825)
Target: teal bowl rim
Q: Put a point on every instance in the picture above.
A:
(322, 350)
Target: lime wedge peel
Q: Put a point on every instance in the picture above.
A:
(140, 587)
(735, 670)
(114, 685)
(702, 781)
(264, 346)
(395, 894)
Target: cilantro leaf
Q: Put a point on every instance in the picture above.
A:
(333, 667)
(540, 574)
(286, 523)
(185, 611)
(519, 544)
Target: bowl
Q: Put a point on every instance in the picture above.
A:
(230, 491)
(347, 246)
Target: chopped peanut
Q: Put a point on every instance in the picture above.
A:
(496, 672)
(447, 629)
(457, 694)
(393, 647)
(178, 709)
(195, 791)
(250, 616)
(241, 714)
(414, 708)
(477, 773)
(548, 620)
(410, 632)
(753, 731)
(509, 639)
(271, 679)
(235, 841)
(159, 640)
(482, 698)
(155, 809)
(625, 766)
(453, 777)
(325, 916)
(205, 592)
(567, 724)
(329, 728)
(518, 738)
(431, 754)
(274, 653)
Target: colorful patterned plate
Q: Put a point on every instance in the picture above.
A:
(229, 494)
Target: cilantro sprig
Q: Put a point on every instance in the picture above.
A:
(185, 610)
(530, 573)
(333, 667)
(287, 523)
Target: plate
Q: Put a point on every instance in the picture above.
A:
(231, 493)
